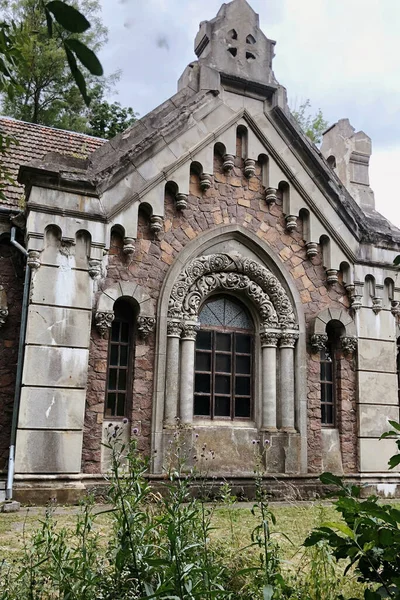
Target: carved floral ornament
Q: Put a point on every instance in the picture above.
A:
(320, 340)
(104, 320)
(222, 272)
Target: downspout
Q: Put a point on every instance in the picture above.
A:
(18, 380)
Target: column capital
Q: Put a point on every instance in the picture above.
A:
(189, 330)
(269, 338)
(349, 344)
(174, 328)
(318, 342)
(288, 339)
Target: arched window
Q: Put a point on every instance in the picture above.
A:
(329, 374)
(224, 360)
(120, 360)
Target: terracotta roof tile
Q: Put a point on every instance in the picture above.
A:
(34, 141)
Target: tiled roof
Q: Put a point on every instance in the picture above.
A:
(34, 141)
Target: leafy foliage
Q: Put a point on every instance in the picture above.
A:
(108, 119)
(312, 125)
(368, 536)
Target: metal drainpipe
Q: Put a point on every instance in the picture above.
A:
(18, 380)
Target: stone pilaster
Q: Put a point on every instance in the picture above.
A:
(269, 341)
(189, 333)
(172, 375)
(287, 343)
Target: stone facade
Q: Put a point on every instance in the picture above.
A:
(214, 195)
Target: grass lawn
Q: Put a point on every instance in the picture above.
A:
(232, 530)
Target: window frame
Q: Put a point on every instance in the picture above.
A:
(124, 313)
(213, 352)
(332, 383)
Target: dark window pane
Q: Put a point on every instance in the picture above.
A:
(112, 379)
(243, 364)
(121, 406)
(223, 363)
(115, 331)
(125, 332)
(203, 340)
(328, 371)
(222, 384)
(323, 414)
(242, 386)
(329, 414)
(203, 362)
(122, 379)
(242, 407)
(113, 355)
(202, 406)
(243, 343)
(323, 371)
(202, 383)
(110, 408)
(123, 356)
(223, 342)
(222, 406)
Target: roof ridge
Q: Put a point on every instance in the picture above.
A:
(39, 125)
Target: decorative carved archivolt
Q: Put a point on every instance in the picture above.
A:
(145, 326)
(207, 274)
(318, 342)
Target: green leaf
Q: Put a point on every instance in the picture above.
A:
(394, 461)
(395, 425)
(68, 17)
(79, 78)
(330, 479)
(342, 528)
(49, 22)
(268, 592)
(86, 56)
(397, 260)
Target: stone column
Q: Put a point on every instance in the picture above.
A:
(189, 332)
(172, 378)
(287, 343)
(269, 341)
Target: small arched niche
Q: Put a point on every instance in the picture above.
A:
(241, 141)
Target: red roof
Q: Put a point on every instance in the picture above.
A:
(34, 141)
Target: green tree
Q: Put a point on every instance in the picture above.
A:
(108, 119)
(45, 85)
(312, 125)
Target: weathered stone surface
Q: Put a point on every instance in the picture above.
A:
(375, 454)
(57, 367)
(62, 287)
(374, 419)
(331, 451)
(377, 388)
(53, 326)
(48, 451)
(377, 355)
(52, 408)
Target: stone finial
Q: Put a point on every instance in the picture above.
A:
(349, 344)
(311, 249)
(332, 276)
(349, 152)
(181, 201)
(229, 162)
(291, 223)
(271, 195)
(145, 326)
(249, 167)
(233, 44)
(156, 223)
(94, 269)
(33, 260)
(205, 181)
(129, 246)
(103, 321)
(318, 342)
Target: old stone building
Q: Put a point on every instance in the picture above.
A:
(209, 264)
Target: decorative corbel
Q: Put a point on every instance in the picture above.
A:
(33, 259)
(318, 342)
(205, 181)
(229, 162)
(181, 201)
(291, 223)
(3, 316)
(271, 195)
(3, 306)
(156, 223)
(103, 321)
(349, 344)
(129, 246)
(376, 304)
(395, 308)
(311, 249)
(249, 167)
(145, 326)
(94, 269)
(331, 276)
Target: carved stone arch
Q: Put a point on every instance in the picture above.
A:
(104, 315)
(319, 336)
(207, 274)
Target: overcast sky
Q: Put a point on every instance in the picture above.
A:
(342, 54)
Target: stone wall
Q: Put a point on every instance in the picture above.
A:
(231, 199)
(11, 278)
